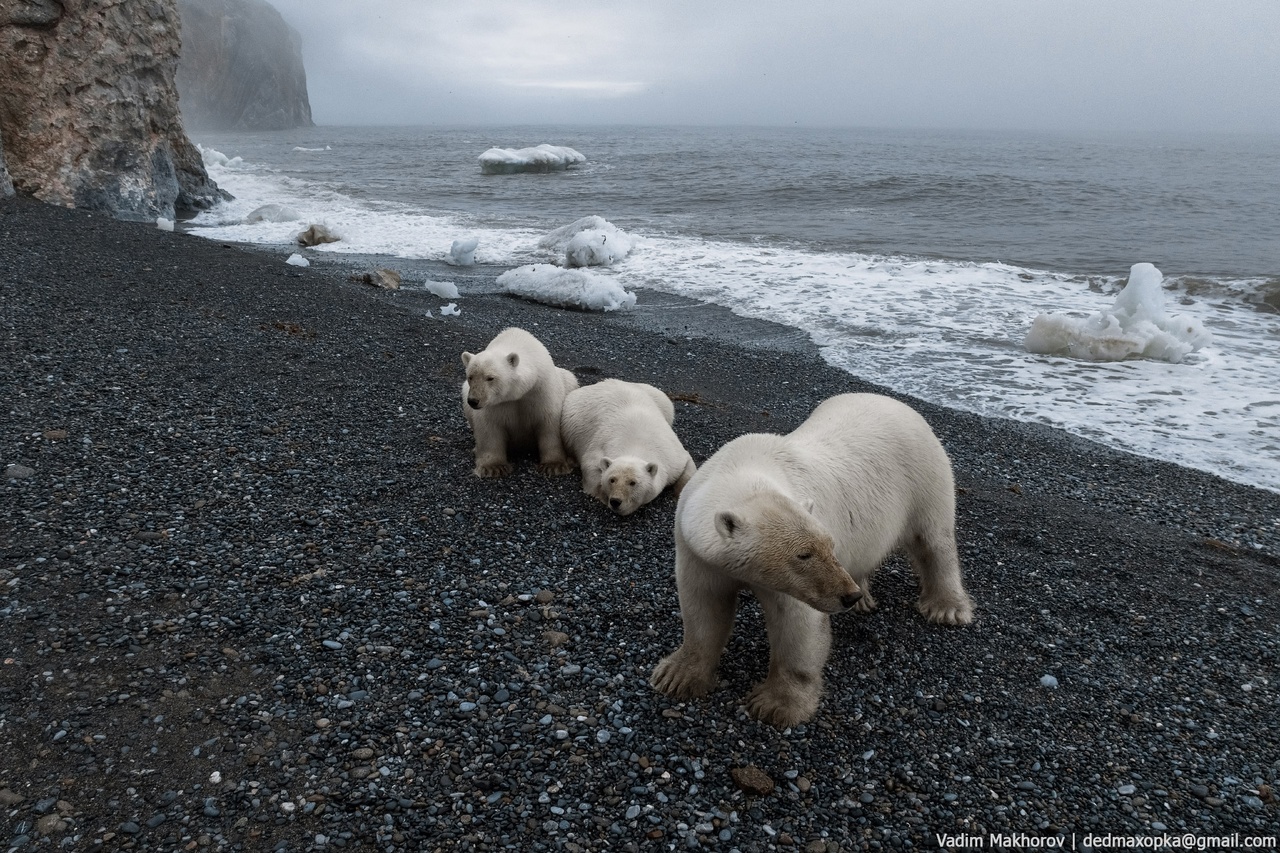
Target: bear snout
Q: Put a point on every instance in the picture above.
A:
(614, 503)
(850, 599)
(473, 402)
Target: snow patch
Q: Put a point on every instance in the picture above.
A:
(566, 288)
(298, 261)
(443, 289)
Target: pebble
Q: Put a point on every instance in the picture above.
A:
(1126, 790)
(1048, 681)
(331, 644)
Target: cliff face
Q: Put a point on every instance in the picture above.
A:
(6, 183)
(241, 67)
(89, 109)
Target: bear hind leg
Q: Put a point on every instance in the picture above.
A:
(799, 643)
(937, 566)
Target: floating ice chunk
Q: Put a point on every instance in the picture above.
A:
(1048, 681)
(1136, 326)
(443, 289)
(450, 310)
(300, 148)
(315, 234)
(463, 252)
(272, 213)
(298, 261)
(214, 157)
(579, 288)
(164, 224)
(544, 158)
(591, 241)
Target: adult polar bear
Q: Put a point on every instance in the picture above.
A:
(512, 397)
(621, 435)
(803, 520)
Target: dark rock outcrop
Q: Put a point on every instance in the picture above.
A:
(89, 109)
(241, 67)
(6, 183)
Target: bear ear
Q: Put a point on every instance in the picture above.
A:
(729, 524)
(605, 462)
(513, 359)
(466, 358)
(652, 468)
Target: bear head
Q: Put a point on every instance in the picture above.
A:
(496, 377)
(771, 541)
(628, 483)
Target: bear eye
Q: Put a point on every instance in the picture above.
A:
(631, 482)
(488, 379)
(805, 556)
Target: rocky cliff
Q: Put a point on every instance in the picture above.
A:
(6, 183)
(241, 67)
(89, 109)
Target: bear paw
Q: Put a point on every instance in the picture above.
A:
(493, 469)
(678, 679)
(947, 611)
(781, 706)
(865, 604)
(556, 468)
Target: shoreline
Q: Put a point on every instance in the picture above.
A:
(250, 592)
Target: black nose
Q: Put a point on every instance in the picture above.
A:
(615, 503)
(849, 600)
(473, 402)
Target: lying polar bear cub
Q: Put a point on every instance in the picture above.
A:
(512, 398)
(803, 520)
(620, 433)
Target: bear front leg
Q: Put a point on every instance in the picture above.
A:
(687, 474)
(708, 605)
(799, 642)
(551, 456)
(491, 449)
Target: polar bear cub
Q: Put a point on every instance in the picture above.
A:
(512, 398)
(803, 520)
(621, 435)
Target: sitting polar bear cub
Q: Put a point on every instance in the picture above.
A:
(620, 433)
(512, 398)
(803, 520)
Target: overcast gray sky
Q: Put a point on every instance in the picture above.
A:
(1072, 65)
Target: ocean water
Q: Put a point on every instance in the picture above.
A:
(914, 259)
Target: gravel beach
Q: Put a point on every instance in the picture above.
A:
(252, 597)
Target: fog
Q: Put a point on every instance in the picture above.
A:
(1072, 65)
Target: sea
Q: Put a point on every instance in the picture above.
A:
(914, 259)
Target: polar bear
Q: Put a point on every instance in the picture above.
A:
(621, 435)
(512, 397)
(803, 520)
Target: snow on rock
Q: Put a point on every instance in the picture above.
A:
(591, 241)
(443, 289)
(544, 158)
(1136, 326)
(463, 252)
(298, 261)
(576, 288)
(272, 213)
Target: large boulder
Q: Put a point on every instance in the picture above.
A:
(241, 67)
(89, 109)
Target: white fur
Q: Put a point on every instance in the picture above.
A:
(621, 435)
(803, 520)
(512, 398)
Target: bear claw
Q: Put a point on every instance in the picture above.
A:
(680, 681)
(947, 612)
(556, 469)
(499, 469)
(781, 709)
